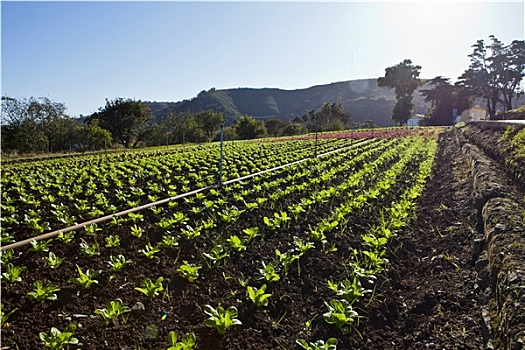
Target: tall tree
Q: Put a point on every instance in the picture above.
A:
(495, 73)
(508, 64)
(332, 116)
(209, 121)
(444, 97)
(249, 128)
(126, 119)
(404, 78)
(34, 124)
(275, 126)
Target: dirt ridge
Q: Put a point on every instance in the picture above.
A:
(499, 250)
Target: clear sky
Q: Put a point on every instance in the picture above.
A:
(81, 53)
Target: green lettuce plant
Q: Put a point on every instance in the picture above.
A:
(269, 273)
(221, 319)
(57, 340)
(341, 314)
(41, 293)
(85, 279)
(117, 263)
(257, 295)
(5, 316)
(113, 311)
(217, 255)
(189, 271)
(331, 344)
(150, 288)
(53, 261)
(187, 342)
(12, 273)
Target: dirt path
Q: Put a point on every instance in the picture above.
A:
(429, 299)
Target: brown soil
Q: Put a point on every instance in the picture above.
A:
(429, 299)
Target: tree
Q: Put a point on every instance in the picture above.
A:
(93, 137)
(444, 97)
(275, 126)
(295, 129)
(404, 78)
(369, 124)
(34, 125)
(508, 63)
(249, 128)
(496, 75)
(209, 121)
(126, 119)
(332, 116)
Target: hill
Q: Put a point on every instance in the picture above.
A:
(364, 99)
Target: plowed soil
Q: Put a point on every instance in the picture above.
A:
(427, 298)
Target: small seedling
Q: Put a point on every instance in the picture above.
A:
(58, 340)
(221, 319)
(151, 289)
(257, 296)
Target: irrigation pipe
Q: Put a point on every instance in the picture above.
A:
(162, 201)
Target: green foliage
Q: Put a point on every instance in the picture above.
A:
(188, 341)
(443, 97)
(118, 262)
(89, 250)
(66, 237)
(403, 78)
(12, 273)
(287, 258)
(37, 125)
(57, 340)
(340, 313)
(236, 243)
(249, 128)
(221, 319)
(350, 291)
(92, 229)
(150, 288)
(125, 118)
(257, 295)
(150, 251)
(53, 261)
(112, 241)
(495, 76)
(330, 117)
(331, 344)
(269, 273)
(209, 122)
(5, 316)
(251, 233)
(189, 271)
(278, 221)
(41, 293)
(137, 231)
(40, 246)
(85, 279)
(169, 241)
(113, 311)
(217, 255)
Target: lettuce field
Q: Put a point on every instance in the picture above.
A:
(301, 255)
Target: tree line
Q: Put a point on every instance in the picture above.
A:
(494, 75)
(39, 125)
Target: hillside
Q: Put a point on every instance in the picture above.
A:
(362, 98)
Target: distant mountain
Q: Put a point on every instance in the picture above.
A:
(364, 99)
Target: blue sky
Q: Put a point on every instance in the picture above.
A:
(81, 53)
